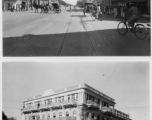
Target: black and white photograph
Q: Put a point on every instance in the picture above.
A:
(45, 28)
(76, 91)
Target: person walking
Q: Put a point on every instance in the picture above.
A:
(115, 12)
(98, 11)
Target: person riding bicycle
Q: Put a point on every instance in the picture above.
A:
(133, 14)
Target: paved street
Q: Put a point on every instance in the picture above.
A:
(67, 34)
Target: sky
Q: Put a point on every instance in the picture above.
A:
(126, 82)
(73, 2)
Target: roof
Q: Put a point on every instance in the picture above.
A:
(75, 87)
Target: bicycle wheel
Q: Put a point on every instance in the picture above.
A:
(122, 28)
(140, 31)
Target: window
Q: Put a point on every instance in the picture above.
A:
(90, 97)
(59, 100)
(68, 97)
(74, 112)
(38, 105)
(73, 97)
(98, 101)
(43, 116)
(93, 99)
(60, 114)
(67, 113)
(54, 115)
(48, 115)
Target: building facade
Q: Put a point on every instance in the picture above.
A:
(79, 102)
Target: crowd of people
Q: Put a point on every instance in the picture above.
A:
(14, 7)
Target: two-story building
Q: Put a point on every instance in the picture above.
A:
(79, 102)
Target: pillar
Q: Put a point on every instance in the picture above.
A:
(71, 97)
(78, 97)
(100, 104)
(84, 98)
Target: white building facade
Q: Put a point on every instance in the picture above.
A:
(79, 102)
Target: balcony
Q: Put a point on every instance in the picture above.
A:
(26, 110)
(115, 112)
(55, 105)
(106, 109)
(69, 103)
(92, 104)
(44, 107)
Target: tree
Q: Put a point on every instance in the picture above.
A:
(4, 117)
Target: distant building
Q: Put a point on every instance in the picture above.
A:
(79, 102)
(15, 1)
(143, 5)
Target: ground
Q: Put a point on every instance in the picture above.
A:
(68, 33)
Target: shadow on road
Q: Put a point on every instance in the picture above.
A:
(103, 42)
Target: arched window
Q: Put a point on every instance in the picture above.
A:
(60, 114)
(54, 115)
(67, 113)
(43, 116)
(74, 112)
(38, 117)
(48, 115)
(25, 117)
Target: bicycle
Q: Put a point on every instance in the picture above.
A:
(139, 30)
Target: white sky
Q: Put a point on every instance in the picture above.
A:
(73, 2)
(127, 83)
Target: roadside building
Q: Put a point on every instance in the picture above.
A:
(16, 1)
(79, 102)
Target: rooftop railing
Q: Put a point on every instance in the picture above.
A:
(76, 87)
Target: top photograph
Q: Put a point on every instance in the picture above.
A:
(51, 28)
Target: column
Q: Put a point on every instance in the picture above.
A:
(80, 97)
(100, 104)
(84, 98)
(75, 97)
(70, 97)
(82, 94)
(23, 116)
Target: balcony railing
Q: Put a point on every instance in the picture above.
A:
(91, 103)
(69, 103)
(54, 105)
(65, 103)
(43, 107)
(115, 112)
(25, 109)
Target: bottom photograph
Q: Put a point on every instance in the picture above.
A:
(75, 91)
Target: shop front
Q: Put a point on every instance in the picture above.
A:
(143, 5)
